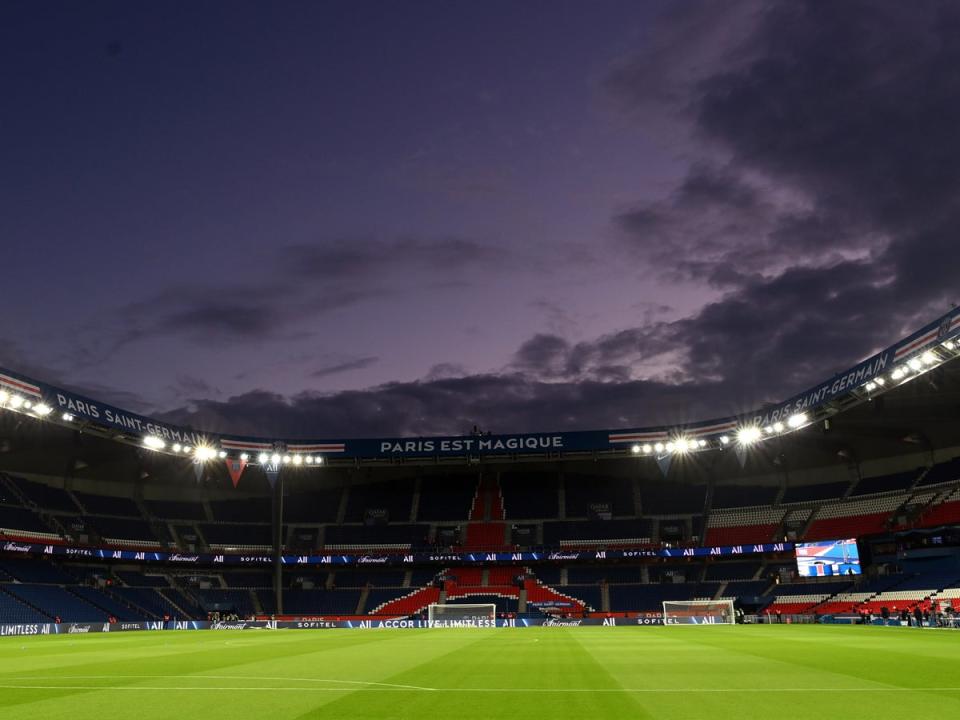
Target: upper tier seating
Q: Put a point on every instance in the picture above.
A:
(886, 483)
(253, 510)
(43, 496)
(571, 532)
(107, 505)
(18, 519)
(117, 528)
(446, 498)
(228, 535)
(582, 491)
(175, 509)
(853, 518)
(808, 493)
(317, 506)
(395, 497)
(942, 472)
(529, 495)
(733, 496)
(660, 498)
(376, 535)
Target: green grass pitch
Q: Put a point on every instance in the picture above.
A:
(770, 672)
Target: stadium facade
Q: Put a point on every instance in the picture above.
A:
(107, 515)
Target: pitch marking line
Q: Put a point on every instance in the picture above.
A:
(391, 687)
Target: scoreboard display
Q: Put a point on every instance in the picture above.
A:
(828, 558)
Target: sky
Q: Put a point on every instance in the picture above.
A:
(343, 219)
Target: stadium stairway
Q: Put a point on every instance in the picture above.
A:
(486, 529)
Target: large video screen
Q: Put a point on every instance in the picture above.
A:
(828, 558)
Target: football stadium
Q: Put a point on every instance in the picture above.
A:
(801, 559)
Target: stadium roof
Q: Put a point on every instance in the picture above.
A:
(900, 399)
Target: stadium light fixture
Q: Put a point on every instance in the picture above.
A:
(701, 443)
(153, 442)
(778, 427)
(297, 459)
(4, 396)
(658, 447)
(222, 454)
(635, 449)
(42, 410)
(318, 460)
(244, 457)
(176, 447)
(880, 381)
(915, 363)
(262, 458)
(286, 459)
(186, 449)
(647, 448)
(748, 435)
(871, 386)
(67, 417)
(682, 445)
(15, 401)
(928, 358)
(898, 373)
(669, 446)
(27, 404)
(204, 453)
(949, 344)
(275, 458)
(308, 459)
(798, 420)
(724, 439)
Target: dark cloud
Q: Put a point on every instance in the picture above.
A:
(500, 403)
(280, 301)
(345, 366)
(826, 195)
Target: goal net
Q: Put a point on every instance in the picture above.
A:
(698, 612)
(462, 615)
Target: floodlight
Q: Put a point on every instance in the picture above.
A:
(42, 410)
(635, 449)
(748, 435)
(797, 420)
(244, 457)
(647, 448)
(153, 442)
(262, 458)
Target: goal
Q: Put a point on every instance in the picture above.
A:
(462, 615)
(698, 612)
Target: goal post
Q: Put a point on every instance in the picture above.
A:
(698, 612)
(442, 615)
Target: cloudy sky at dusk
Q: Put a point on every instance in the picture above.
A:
(363, 218)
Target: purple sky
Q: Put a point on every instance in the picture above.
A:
(343, 218)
